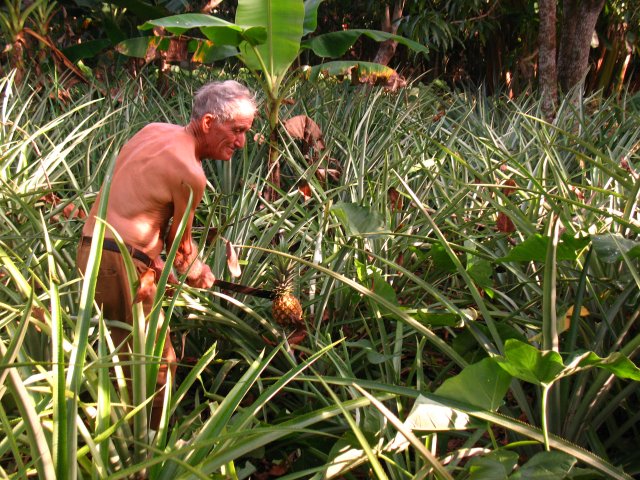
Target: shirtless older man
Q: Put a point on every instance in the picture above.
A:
(153, 176)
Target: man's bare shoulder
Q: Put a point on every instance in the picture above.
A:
(160, 143)
(175, 155)
(166, 134)
(158, 157)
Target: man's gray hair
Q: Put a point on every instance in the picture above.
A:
(220, 99)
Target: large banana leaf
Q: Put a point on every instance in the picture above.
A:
(336, 44)
(310, 15)
(219, 31)
(350, 67)
(283, 20)
(268, 33)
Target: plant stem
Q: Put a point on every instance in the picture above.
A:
(543, 406)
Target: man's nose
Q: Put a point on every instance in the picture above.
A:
(240, 139)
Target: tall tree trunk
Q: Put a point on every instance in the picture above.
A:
(578, 23)
(390, 23)
(547, 71)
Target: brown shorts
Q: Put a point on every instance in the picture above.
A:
(113, 295)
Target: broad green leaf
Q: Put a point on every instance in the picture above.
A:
(255, 35)
(441, 258)
(361, 271)
(358, 220)
(113, 30)
(483, 384)
(534, 248)
(545, 466)
(336, 44)
(527, 363)
(234, 35)
(139, 46)
(436, 319)
(283, 21)
(466, 344)
(371, 277)
(610, 247)
(310, 16)
(616, 363)
(178, 24)
(84, 50)
(383, 288)
(573, 244)
(634, 252)
(142, 10)
(440, 318)
(223, 35)
(206, 51)
(496, 465)
(347, 67)
(480, 271)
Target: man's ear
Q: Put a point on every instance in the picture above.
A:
(207, 121)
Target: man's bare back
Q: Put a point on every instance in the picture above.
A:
(156, 162)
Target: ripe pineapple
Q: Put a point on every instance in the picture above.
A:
(286, 308)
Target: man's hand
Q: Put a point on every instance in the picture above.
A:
(205, 278)
(198, 273)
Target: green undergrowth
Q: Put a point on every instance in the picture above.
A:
(468, 271)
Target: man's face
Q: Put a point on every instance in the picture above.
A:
(224, 138)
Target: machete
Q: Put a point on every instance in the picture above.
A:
(236, 287)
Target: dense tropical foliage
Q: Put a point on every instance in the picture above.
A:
(469, 268)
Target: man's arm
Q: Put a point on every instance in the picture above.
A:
(198, 273)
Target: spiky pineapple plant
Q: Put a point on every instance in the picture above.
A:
(286, 308)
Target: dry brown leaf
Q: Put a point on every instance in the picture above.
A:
(298, 336)
(509, 187)
(58, 55)
(71, 211)
(146, 289)
(39, 314)
(305, 189)
(389, 79)
(51, 198)
(332, 173)
(504, 223)
(212, 234)
(438, 116)
(395, 199)
(303, 128)
(584, 312)
(177, 51)
(210, 6)
(232, 260)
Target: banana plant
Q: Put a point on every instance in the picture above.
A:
(267, 37)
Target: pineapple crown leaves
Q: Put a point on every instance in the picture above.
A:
(283, 273)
